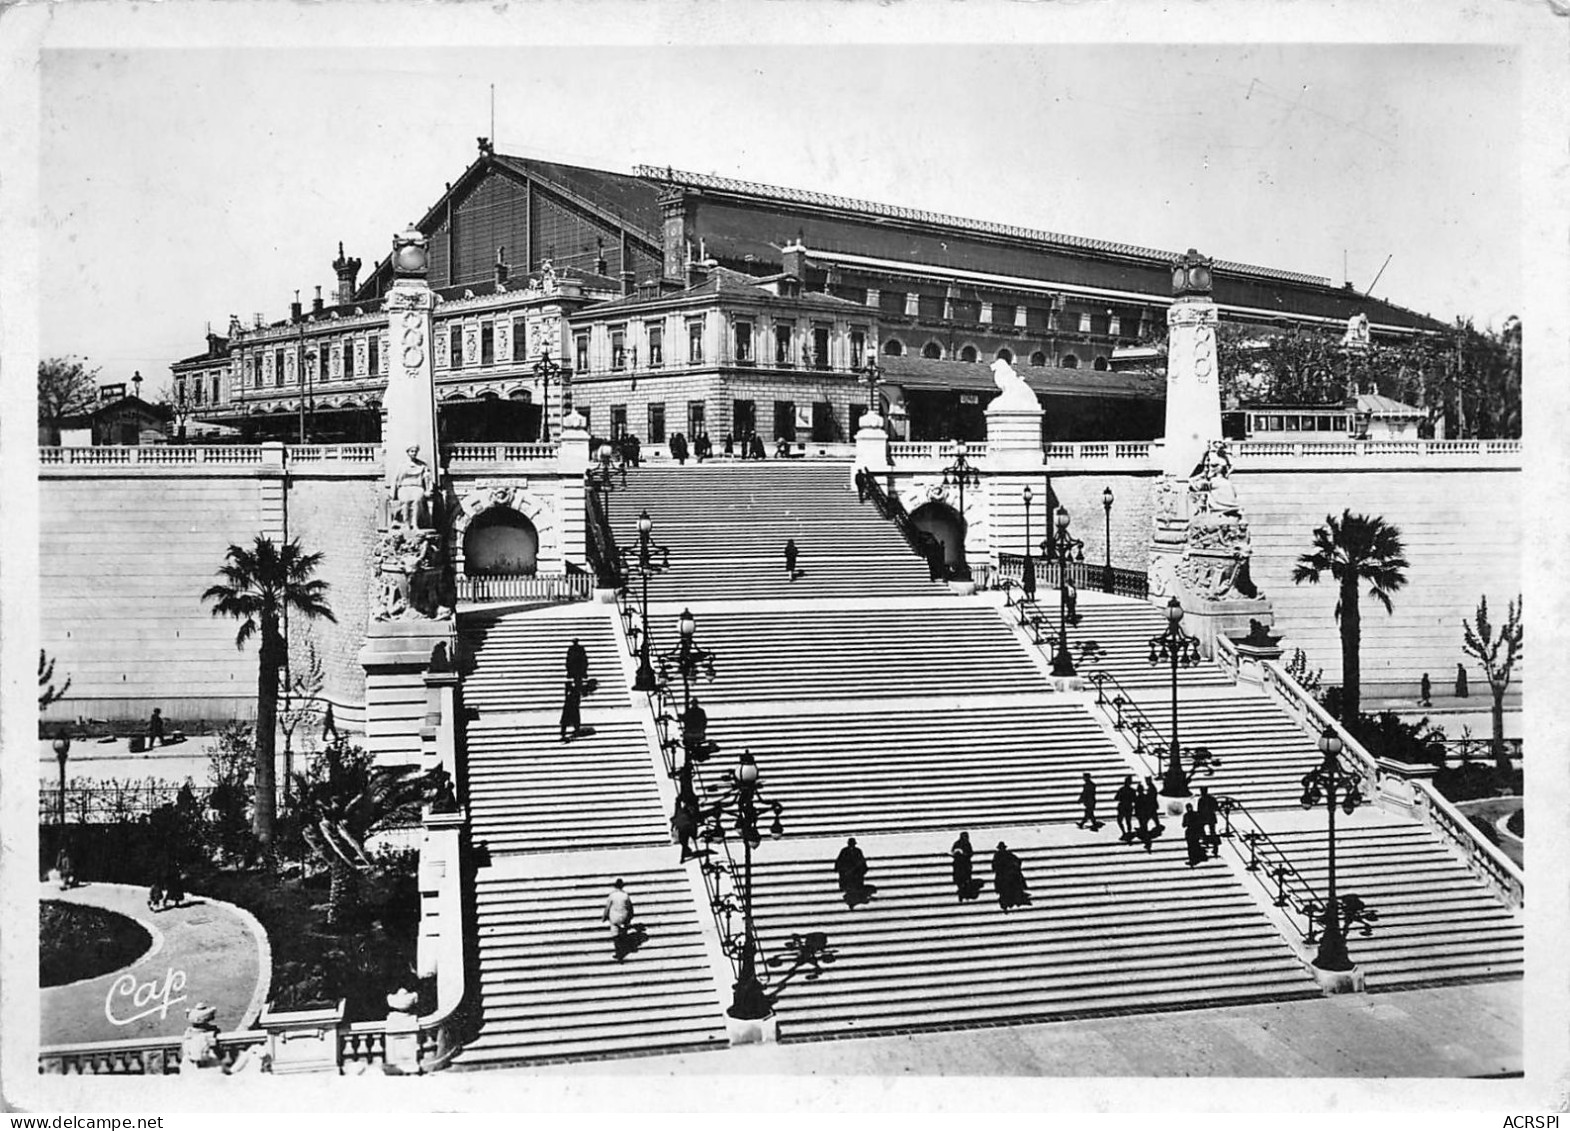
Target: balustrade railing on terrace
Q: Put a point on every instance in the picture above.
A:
(1432, 807)
(1083, 575)
(936, 449)
(137, 1056)
(557, 587)
(499, 453)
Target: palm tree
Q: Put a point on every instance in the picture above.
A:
(1353, 549)
(344, 798)
(259, 583)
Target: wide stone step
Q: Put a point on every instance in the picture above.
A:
(551, 986)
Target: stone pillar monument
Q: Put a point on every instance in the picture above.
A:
(412, 597)
(1200, 545)
(1013, 423)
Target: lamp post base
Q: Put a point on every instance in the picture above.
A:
(1339, 981)
(645, 681)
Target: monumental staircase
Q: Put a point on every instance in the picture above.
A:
(881, 706)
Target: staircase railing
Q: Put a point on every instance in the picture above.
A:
(922, 544)
(1267, 862)
(600, 544)
(555, 587)
(1292, 891)
(1083, 575)
(1123, 711)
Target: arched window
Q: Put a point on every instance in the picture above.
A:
(1038, 358)
(1070, 361)
(893, 347)
(932, 350)
(1006, 354)
(1099, 364)
(968, 353)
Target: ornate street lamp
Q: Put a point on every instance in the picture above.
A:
(1177, 647)
(62, 749)
(1065, 546)
(1027, 577)
(871, 372)
(749, 1000)
(599, 477)
(689, 660)
(960, 473)
(1106, 505)
(1326, 780)
(546, 370)
(648, 549)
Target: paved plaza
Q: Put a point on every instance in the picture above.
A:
(202, 951)
(1454, 1032)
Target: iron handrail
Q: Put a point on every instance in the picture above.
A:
(1277, 866)
(921, 543)
(1085, 575)
(600, 545)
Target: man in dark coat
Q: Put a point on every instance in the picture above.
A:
(730, 444)
(1194, 835)
(1087, 799)
(577, 665)
(1147, 808)
(570, 716)
(757, 447)
(155, 728)
(1125, 803)
(679, 448)
(851, 865)
(961, 852)
(790, 557)
(1208, 811)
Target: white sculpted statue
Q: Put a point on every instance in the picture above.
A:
(1357, 334)
(1012, 390)
(411, 489)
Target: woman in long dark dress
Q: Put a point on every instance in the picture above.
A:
(961, 853)
(570, 715)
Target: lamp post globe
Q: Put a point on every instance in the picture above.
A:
(62, 749)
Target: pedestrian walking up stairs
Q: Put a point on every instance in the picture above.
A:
(919, 764)
(1437, 921)
(726, 525)
(1109, 928)
(1122, 628)
(516, 661)
(551, 987)
(1262, 753)
(938, 647)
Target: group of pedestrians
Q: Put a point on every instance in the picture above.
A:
(701, 448)
(751, 445)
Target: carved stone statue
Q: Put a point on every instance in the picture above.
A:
(1013, 392)
(411, 493)
(1357, 333)
(409, 575)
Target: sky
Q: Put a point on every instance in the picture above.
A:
(178, 186)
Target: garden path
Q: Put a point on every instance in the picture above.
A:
(203, 951)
